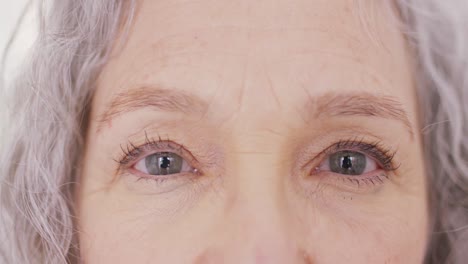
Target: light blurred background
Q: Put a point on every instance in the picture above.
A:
(10, 13)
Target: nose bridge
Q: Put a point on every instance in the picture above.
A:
(257, 222)
(257, 186)
(256, 233)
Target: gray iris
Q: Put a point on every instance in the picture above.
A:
(348, 162)
(163, 163)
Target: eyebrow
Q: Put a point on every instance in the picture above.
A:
(362, 104)
(157, 98)
(327, 105)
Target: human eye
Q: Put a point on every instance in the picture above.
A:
(164, 162)
(357, 163)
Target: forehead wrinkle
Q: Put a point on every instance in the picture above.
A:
(156, 98)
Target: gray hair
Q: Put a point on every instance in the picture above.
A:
(50, 100)
(44, 138)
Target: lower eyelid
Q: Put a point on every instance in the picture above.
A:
(366, 183)
(148, 184)
(374, 179)
(361, 183)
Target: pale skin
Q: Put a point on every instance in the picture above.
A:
(255, 97)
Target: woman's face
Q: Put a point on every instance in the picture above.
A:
(255, 132)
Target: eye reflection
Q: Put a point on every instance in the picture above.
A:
(349, 163)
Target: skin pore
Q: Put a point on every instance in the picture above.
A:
(256, 98)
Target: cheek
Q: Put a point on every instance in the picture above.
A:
(111, 232)
(394, 231)
(118, 226)
(387, 241)
(372, 242)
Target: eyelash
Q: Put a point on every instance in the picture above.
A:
(376, 150)
(384, 156)
(132, 152)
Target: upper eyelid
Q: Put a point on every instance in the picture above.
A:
(357, 144)
(135, 153)
(372, 149)
(210, 156)
(205, 154)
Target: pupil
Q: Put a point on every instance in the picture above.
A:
(165, 162)
(347, 162)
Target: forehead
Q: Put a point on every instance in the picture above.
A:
(265, 47)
